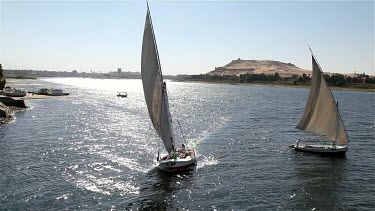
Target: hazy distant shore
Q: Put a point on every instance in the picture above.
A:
(284, 85)
(17, 82)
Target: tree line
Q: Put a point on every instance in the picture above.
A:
(2, 79)
(333, 79)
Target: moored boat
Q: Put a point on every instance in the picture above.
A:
(13, 92)
(55, 92)
(42, 91)
(51, 92)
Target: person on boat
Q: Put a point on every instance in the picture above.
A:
(182, 149)
(164, 86)
(182, 155)
(296, 144)
(175, 155)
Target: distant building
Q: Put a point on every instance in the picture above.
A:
(119, 70)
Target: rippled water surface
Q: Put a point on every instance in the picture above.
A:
(95, 151)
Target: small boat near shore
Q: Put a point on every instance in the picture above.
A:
(56, 92)
(13, 92)
(50, 92)
(122, 94)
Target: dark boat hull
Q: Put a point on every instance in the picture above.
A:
(322, 149)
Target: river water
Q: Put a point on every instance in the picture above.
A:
(95, 151)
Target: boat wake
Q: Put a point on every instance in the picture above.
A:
(131, 164)
(206, 161)
(219, 123)
(104, 185)
(86, 177)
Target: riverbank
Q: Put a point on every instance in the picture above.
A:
(21, 82)
(9, 106)
(15, 82)
(284, 85)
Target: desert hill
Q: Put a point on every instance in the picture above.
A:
(239, 66)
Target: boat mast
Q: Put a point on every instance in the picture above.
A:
(154, 39)
(153, 85)
(182, 133)
(164, 90)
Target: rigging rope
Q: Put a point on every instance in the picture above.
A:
(178, 122)
(183, 136)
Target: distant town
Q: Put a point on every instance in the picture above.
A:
(119, 74)
(236, 72)
(33, 74)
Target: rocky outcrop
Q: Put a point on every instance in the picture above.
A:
(11, 102)
(4, 111)
(239, 66)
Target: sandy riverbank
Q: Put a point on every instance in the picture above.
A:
(30, 96)
(15, 82)
(31, 82)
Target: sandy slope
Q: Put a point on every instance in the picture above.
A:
(237, 67)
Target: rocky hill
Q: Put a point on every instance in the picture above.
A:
(239, 66)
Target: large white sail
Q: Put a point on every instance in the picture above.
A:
(321, 116)
(154, 90)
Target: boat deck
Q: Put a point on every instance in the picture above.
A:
(321, 146)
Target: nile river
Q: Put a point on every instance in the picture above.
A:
(95, 151)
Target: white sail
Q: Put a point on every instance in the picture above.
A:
(321, 116)
(155, 94)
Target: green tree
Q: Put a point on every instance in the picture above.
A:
(348, 79)
(2, 80)
(277, 76)
(1, 71)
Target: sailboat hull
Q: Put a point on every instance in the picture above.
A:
(173, 165)
(322, 149)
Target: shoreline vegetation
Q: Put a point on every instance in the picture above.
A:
(11, 105)
(276, 84)
(356, 82)
(361, 82)
(296, 83)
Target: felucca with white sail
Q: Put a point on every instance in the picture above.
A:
(322, 118)
(158, 107)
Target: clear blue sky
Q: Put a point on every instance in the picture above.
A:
(193, 37)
